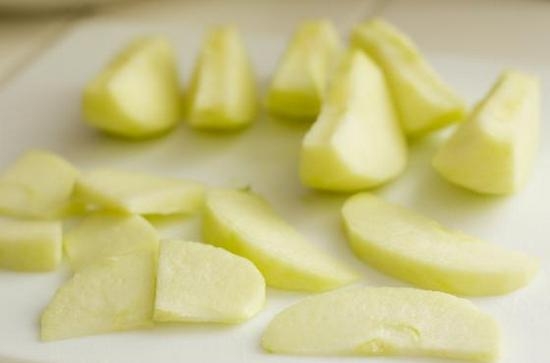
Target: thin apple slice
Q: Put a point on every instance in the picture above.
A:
(245, 224)
(201, 283)
(493, 151)
(384, 321)
(299, 83)
(424, 101)
(356, 142)
(139, 193)
(222, 93)
(137, 95)
(113, 294)
(417, 249)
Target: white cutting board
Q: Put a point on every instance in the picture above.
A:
(40, 108)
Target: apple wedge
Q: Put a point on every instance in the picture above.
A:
(245, 224)
(137, 95)
(32, 246)
(384, 321)
(202, 283)
(298, 86)
(494, 149)
(417, 249)
(425, 103)
(104, 234)
(222, 94)
(113, 294)
(356, 142)
(139, 193)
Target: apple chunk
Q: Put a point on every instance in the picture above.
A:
(417, 249)
(424, 102)
(246, 225)
(137, 95)
(494, 149)
(222, 94)
(356, 142)
(384, 321)
(202, 283)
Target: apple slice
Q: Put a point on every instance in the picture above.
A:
(245, 224)
(222, 93)
(356, 142)
(30, 245)
(384, 321)
(299, 83)
(137, 95)
(113, 294)
(105, 234)
(139, 193)
(38, 185)
(417, 249)
(494, 150)
(201, 283)
(424, 102)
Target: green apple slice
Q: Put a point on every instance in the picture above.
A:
(384, 321)
(299, 83)
(139, 193)
(201, 283)
(417, 249)
(424, 101)
(113, 294)
(356, 142)
(245, 224)
(222, 93)
(105, 234)
(38, 185)
(32, 246)
(137, 95)
(494, 149)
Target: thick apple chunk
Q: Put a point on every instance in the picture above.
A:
(493, 151)
(30, 245)
(384, 321)
(417, 249)
(105, 234)
(246, 225)
(113, 294)
(356, 142)
(139, 193)
(424, 102)
(202, 283)
(222, 94)
(299, 83)
(137, 95)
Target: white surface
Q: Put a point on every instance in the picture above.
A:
(41, 109)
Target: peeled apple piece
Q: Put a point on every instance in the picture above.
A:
(493, 151)
(425, 103)
(137, 95)
(245, 224)
(414, 248)
(356, 142)
(384, 321)
(222, 94)
(298, 86)
(202, 283)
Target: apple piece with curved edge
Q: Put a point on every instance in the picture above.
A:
(493, 151)
(356, 142)
(197, 282)
(424, 102)
(384, 321)
(298, 86)
(137, 95)
(222, 93)
(416, 249)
